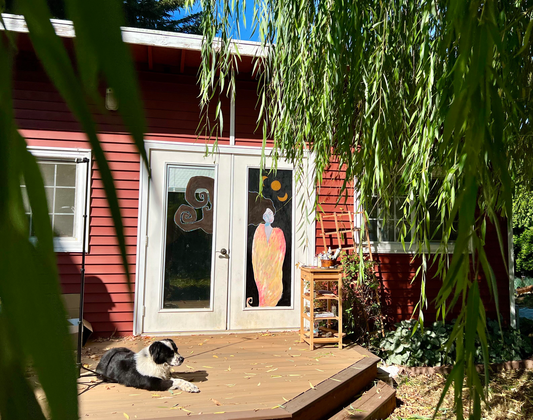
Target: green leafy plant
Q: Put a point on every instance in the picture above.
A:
(523, 247)
(362, 316)
(411, 346)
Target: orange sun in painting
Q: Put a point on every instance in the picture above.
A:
(268, 254)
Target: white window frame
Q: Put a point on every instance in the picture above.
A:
(390, 247)
(74, 243)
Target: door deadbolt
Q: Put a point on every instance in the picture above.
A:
(224, 251)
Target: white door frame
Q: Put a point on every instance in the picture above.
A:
(140, 268)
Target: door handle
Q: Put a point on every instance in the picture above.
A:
(224, 253)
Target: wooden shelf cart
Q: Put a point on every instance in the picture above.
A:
(328, 277)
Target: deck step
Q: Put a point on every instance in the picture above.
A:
(375, 404)
(331, 395)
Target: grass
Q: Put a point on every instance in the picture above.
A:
(510, 397)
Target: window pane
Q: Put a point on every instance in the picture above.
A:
(63, 225)
(373, 211)
(47, 171)
(387, 232)
(65, 199)
(373, 230)
(49, 197)
(189, 237)
(66, 174)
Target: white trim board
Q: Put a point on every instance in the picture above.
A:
(138, 36)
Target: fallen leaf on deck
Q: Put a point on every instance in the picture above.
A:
(164, 398)
(216, 402)
(208, 367)
(155, 395)
(134, 395)
(275, 376)
(295, 375)
(311, 385)
(229, 368)
(192, 351)
(190, 367)
(215, 356)
(272, 370)
(246, 373)
(230, 385)
(320, 370)
(336, 380)
(259, 384)
(285, 399)
(219, 412)
(125, 415)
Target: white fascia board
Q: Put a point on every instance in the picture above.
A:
(138, 36)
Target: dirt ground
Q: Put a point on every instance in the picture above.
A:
(510, 396)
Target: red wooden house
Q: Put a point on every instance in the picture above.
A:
(196, 233)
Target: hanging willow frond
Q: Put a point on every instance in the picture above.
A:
(426, 100)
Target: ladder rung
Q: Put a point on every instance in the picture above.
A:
(349, 230)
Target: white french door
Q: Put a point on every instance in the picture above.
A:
(263, 289)
(220, 255)
(188, 218)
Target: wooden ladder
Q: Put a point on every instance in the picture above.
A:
(344, 225)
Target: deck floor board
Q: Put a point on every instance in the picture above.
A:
(235, 372)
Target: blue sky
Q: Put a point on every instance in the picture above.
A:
(246, 32)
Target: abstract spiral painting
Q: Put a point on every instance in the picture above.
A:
(269, 253)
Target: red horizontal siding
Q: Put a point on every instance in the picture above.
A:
(173, 114)
(399, 286)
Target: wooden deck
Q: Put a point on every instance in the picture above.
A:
(235, 372)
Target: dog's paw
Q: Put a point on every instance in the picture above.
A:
(190, 387)
(184, 386)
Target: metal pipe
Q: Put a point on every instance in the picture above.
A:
(82, 280)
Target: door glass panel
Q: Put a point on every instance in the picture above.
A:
(189, 237)
(269, 241)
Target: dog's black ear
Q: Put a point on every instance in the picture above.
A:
(156, 351)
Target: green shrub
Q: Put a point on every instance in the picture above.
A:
(523, 248)
(362, 318)
(419, 348)
(416, 347)
(522, 282)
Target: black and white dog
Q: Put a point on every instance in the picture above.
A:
(148, 369)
